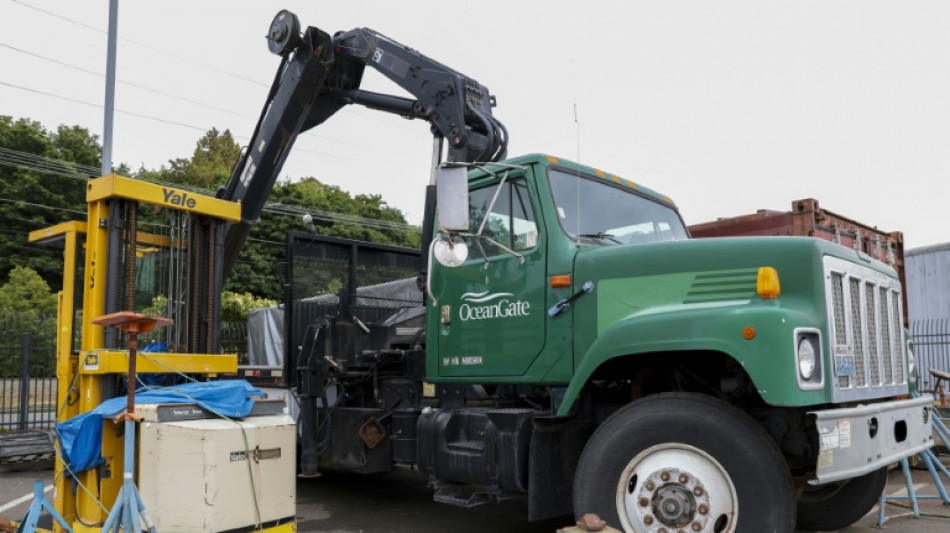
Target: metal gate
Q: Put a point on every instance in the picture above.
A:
(28, 395)
(27, 372)
(931, 348)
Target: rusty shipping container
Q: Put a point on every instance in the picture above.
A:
(808, 219)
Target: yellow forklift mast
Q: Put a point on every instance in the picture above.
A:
(95, 282)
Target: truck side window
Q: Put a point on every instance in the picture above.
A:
(511, 221)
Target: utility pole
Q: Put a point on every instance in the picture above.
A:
(110, 88)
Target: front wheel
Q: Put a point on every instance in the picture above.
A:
(687, 462)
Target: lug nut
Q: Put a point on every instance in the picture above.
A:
(649, 485)
(684, 479)
(665, 476)
(703, 508)
(647, 519)
(696, 526)
(698, 491)
(644, 502)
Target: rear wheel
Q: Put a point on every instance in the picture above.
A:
(687, 462)
(838, 505)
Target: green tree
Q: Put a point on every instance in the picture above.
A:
(234, 306)
(209, 166)
(35, 193)
(260, 266)
(259, 269)
(25, 292)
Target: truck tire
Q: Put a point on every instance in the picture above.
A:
(838, 505)
(679, 461)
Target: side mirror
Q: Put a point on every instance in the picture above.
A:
(449, 251)
(452, 199)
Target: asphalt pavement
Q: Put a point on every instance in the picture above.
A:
(400, 502)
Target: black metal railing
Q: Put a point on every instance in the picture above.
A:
(329, 276)
(931, 348)
(27, 372)
(28, 386)
(233, 339)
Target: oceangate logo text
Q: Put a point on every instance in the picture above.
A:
(483, 306)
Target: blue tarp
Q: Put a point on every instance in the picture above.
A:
(80, 437)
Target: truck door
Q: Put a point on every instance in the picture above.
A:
(494, 302)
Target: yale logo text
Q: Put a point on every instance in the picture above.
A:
(178, 198)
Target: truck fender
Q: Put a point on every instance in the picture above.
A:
(705, 328)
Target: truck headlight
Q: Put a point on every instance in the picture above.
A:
(807, 357)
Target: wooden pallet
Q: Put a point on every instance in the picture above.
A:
(26, 449)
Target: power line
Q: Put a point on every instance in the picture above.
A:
(25, 220)
(62, 163)
(143, 45)
(183, 58)
(41, 206)
(172, 122)
(21, 160)
(327, 216)
(129, 83)
(273, 208)
(74, 100)
(14, 232)
(11, 244)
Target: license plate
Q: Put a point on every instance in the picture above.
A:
(844, 361)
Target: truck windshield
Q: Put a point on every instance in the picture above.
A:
(596, 211)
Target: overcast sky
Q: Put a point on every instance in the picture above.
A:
(727, 107)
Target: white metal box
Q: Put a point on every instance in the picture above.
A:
(200, 473)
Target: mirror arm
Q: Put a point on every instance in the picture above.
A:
(481, 250)
(435, 303)
(503, 247)
(491, 205)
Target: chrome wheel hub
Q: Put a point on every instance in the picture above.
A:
(676, 488)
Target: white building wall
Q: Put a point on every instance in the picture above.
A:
(928, 282)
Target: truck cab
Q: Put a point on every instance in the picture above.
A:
(705, 360)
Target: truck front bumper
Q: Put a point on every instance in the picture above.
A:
(857, 440)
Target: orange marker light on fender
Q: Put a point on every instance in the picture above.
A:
(563, 280)
(748, 333)
(767, 284)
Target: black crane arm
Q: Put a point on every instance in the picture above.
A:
(320, 74)
(458, 107)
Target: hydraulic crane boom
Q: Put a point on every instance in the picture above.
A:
(320, 74)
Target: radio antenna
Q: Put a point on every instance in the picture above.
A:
(577, 141)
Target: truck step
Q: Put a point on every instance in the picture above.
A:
(470, 446)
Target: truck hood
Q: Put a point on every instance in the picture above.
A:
(712, 270)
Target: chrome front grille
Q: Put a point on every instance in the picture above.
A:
(896, 337)
(860, 355)
(866, 346)
(885, 337)
(871, 324)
